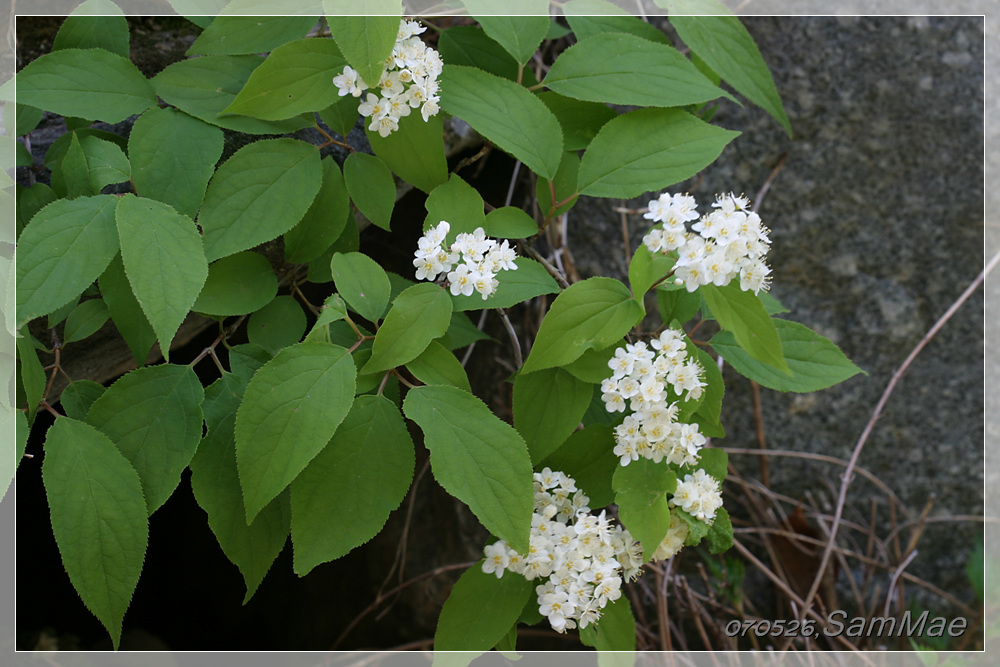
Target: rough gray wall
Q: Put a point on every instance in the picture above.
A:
(877, 227)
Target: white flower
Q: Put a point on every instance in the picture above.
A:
(461, 280)
(349, 82)
(497, 559)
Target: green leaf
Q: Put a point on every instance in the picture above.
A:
(85, 319)
(173, 157)
(88, 83)
(153, 415)
(437, 365)
(64, 248)
(529, 280)
(646, 150)
(720, 535)
(714, 461)
(30, 201)
(324, 222)
(742, 314)
(59, 315)
(580, 121)
(204, 86)
(414, 152)
(71, 176)
(366, 42)
(521, 35)
(98, 518)
(459, 204)
(246, 359)
(548, 406)
(295, 78)
(260, 193)
(237, 285)
(87, 32)
(697, 530)
(342, 115)
(615, 631)
(975, 570)
(677, 304)
(477, 458)
(106, 161)
(462, 332)
(640, 491)
(587, 457)
(290, 410)
(592, 366)
(479, 611)
(362, 283)
(216, 486)
(726, 46)
(78, 396)
(619, 68)
(32, 376)
(710, 408)
(506, 114)
(592, 17)
(814, 361)
(164, 261)
(647, 268)
(371, 187)
(418, 315)
(469, 45)
(278, 324)
(564, 185)
(25, 118)
(591, 314)
(344, 496)
(509, 222)
(238, 35)
(126, 311)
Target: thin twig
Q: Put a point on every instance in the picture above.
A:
(856, 454)
(518, 360)
(894, 579)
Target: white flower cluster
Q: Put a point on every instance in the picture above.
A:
(584, 558)
(408, 81)
(477, 257)
(699, 495)
(653, 379)
(731, 241)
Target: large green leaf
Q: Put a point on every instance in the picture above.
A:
(580, 120)
(216, 486)
(324, 222)
(646, 269)
(529, 280)
(164, 261)
(204, 86)
(32, 375)
(106, 162)
(294, 79)
(614, 634)
(619, 68)
(78, 396)
(510, 222)
(64, 248)
(290, 410)
(362, 283)
(646, 150)
(418, 315)
(173, 156)
(640, 492)
(469, 45)
(743, 314)
(371, 186)
(459, 204)
(519, 33)
(814, 361)
(237, 285)
(71, 175)
(126, 311)
(591, 314)
(548, 405)
(344, 496)
(480, 610)
(366, 42)
(85, 319)
(98, 518)
(85, 83)
(278, 324)
(153, 415)
(587, 456)
(506, 114)
(414, 152)
(237, 35)
(592, 17)
(477, 458)
(261, 192)
(437, 365)
(109, 31)
(726, 46)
